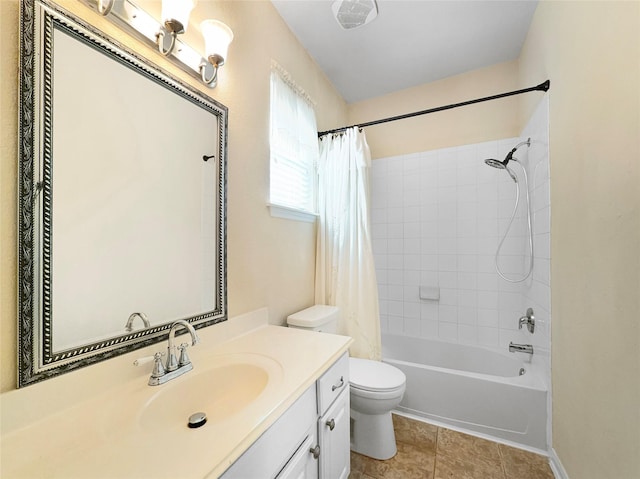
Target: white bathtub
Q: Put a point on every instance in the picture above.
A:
(471, 388)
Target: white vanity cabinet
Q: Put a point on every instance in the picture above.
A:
(310, 440)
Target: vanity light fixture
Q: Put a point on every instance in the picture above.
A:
(104, 7)
(165, 34)
(175, 17)
(217, 38)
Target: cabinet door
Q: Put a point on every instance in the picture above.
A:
(303, 464)
(275, 448)
(334, 439)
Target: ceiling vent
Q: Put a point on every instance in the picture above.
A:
(354, 13)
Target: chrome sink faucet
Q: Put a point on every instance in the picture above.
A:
(143, 317)
(172, 363)
(173, 367)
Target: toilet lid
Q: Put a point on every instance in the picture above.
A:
(374, 375)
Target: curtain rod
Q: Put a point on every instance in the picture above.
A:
(542, 87)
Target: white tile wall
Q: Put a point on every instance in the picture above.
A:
(438, 217)
(537, 290)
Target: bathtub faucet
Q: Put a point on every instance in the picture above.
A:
(520, 348)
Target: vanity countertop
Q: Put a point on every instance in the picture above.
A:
(101, 435)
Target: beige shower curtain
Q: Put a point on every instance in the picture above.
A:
(345, 271)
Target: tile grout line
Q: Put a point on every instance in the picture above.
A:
(435, 456)
(502, 462)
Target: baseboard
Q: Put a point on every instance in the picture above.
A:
(556, 466)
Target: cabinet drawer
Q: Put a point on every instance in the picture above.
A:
(302, 465)
(333, 382)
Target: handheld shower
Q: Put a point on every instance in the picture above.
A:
(502, 165)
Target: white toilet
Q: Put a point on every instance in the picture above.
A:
(376, 388)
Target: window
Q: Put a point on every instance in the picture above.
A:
(294, 151)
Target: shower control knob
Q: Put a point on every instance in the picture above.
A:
(529, 320)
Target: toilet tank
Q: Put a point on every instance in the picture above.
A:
(320, 317)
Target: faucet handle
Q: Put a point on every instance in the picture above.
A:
(184, 357)
(529, 320)
(143, 360)
(158, 369)
(147, 359)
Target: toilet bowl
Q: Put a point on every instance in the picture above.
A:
(375, 389)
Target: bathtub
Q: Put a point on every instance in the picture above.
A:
(470, 388)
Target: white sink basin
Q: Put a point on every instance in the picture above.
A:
(219, 392)
(223, 387)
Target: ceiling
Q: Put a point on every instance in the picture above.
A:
(411, 42)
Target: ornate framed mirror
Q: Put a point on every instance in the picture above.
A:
(122, 198)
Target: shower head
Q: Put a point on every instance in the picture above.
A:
(495, 163)
(502, 165)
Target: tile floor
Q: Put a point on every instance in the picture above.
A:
(430, 452)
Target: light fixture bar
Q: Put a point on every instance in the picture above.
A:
(137, 22)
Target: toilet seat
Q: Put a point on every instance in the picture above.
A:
(375, 376)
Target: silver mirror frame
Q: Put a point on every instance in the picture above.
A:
(36, 359)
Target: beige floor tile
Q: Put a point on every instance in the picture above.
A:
(414, 432)
(519, 464)
(457, 444)
(410, 462)
(429, 452)
(359, 475)
(460, 466)
(358, 462)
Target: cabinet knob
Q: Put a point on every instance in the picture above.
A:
(331, 423)
(315, 451)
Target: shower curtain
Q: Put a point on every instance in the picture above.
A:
(345, 270)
